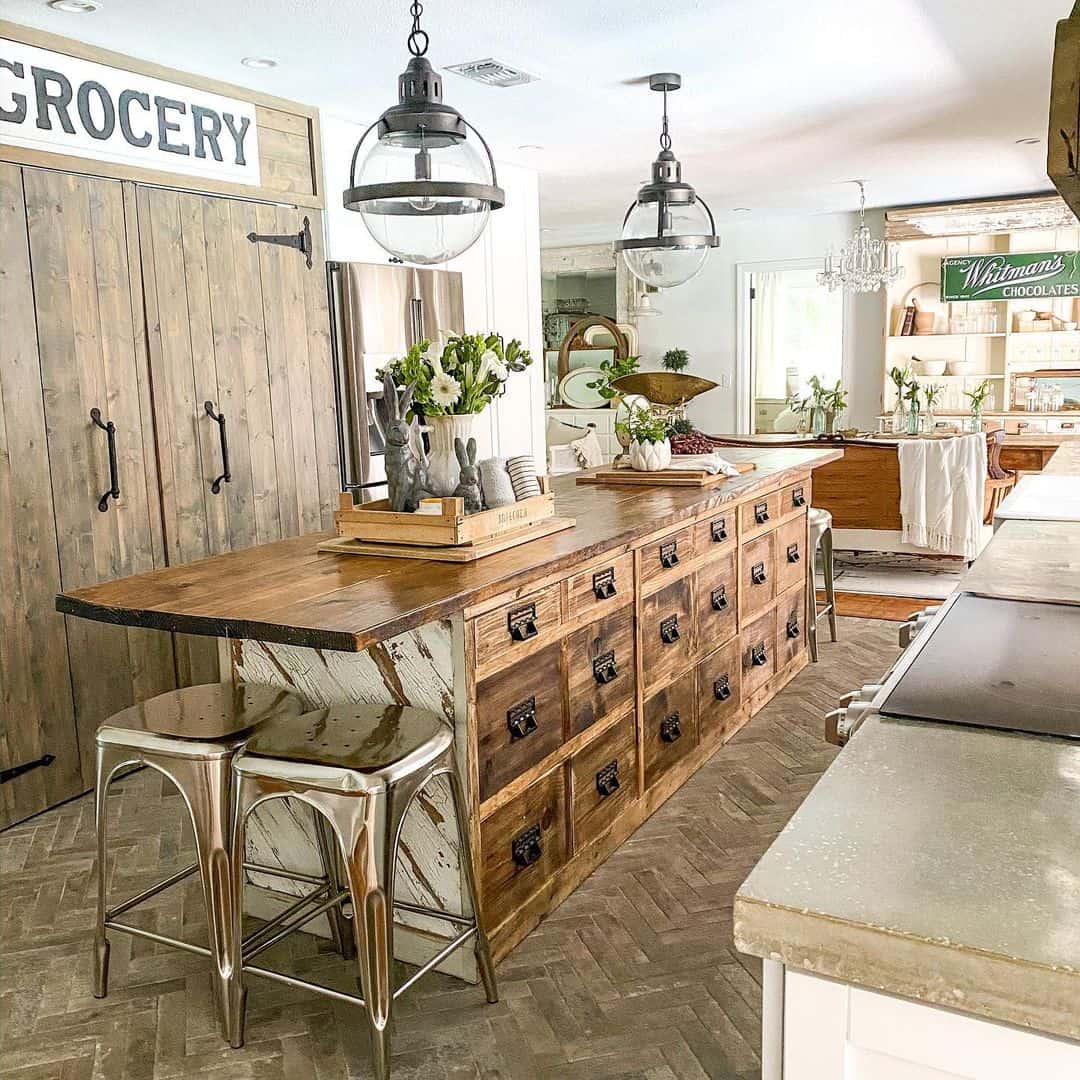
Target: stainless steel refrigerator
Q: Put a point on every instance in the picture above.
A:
(377, 312)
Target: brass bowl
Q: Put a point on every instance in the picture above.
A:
(669, 388)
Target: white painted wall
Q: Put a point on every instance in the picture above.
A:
(501, 280)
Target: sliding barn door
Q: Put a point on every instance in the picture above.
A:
(242, 326)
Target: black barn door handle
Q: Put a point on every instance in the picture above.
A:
(114, 476)
(226, 475)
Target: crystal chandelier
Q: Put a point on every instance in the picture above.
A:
(865, 264)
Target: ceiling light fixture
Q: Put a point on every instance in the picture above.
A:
(741, 210)
(260, 63)
(423, 190)
(865, 264)
(75, 7)
(669, 229)
(1028, 142)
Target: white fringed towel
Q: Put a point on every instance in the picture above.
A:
(710, 463)
(942, 485)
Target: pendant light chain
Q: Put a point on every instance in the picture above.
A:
(416, 9)
(665, 137)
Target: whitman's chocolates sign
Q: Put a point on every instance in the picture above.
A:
(1027, 275)
(62, 104)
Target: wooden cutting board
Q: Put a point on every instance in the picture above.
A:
(623, 474)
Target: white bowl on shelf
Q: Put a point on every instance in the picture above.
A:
(961, 367)
(928, 367)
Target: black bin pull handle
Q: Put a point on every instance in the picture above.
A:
(757, 573)
(758, 656)
(761, 512)
(603, 583)
(226, 474)
(798, 498)
(669, 630)
(722, 688)
(793, 628)
(719, 598)
(114, 475)
(521, 719)
(719, 530)
(671, 728)
(607, 779)
(604, 668)
(793, 553)
(521, 623)
(669, 554)
(525, 848)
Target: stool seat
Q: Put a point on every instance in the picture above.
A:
(347, 748)
(201, 713)
(820, 520)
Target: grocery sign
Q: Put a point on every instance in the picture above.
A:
(1027, 275)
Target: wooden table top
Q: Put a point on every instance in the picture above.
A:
(289, 592)
(1024, 441)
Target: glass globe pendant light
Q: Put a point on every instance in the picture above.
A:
(423, 190)
(669, 228)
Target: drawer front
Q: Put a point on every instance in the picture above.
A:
(790, 625)
(514, 626)
(668, 556)
(605, 781)
(717, 533)
(792, 560)
(794, 498)
(670, 727)
(758, 652)
(716, 599)
(600, 668)
(759, 514)
(596, 592)
(666, 632)
(719, 691)
(522, 844)
(757, 574)
(519, 718)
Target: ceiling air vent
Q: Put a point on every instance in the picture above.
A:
(492, 73)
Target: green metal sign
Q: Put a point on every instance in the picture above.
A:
(1021, 275)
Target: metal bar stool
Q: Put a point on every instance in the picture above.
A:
(359, 767)
(820, 538)
(191, 736)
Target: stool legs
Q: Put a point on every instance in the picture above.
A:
(341, 931)
(107, 760)
(830, 588)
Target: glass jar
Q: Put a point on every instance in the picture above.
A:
(913, 420)
(899, 419)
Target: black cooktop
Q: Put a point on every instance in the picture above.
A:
(1008, 664)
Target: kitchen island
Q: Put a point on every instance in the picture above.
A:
(586, 675)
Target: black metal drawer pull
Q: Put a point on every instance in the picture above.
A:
(719, 598)
(793, 628)
(761, 512)
(603, 583)
(719, 530)
(521, 718)
(669, 630)
(722, 688)
(607, 779)
(521, 622)
(793, 553)
(669, 554)
(757, 574)
(114, 476)
(604, 669)
(226, 474)
(798, 498)
(670, 728)
(758, 656)
(525, 847)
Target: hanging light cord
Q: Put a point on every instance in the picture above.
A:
(862, 202)
(665, 138)
(417, 48)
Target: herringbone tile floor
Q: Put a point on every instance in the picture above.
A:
(633, 978)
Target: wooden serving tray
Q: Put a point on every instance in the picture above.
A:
(460, 553)
(623, 474)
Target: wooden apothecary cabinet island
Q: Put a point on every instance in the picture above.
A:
(586, 675)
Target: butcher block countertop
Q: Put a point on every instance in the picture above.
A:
(290, 593)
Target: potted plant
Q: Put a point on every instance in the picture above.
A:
(611, 370)
(650, 446)
(978, 397)
(911, 395)
(931, 395)
(823, 404)
(451, 388)
(676, 360)
(899, 377)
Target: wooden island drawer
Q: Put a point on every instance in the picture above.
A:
(758, 652)
(790, 625)
(600, 668)
(791, 558)
(670, 727)
(719, 692)
(759, 514)
(717, 533)
(666, 557)
(794, 498)
(516, 625)
(519, 718)
(605, 780)
(716, 600)
(522, 845)
(757, 575)
(666, 632)
(595, 592)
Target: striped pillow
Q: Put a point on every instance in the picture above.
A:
(522, 472)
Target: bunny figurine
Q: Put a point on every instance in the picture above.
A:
(469, 485)
(405, 472)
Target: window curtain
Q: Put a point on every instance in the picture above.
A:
(770, 380)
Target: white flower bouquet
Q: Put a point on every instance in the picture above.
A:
(466, 377)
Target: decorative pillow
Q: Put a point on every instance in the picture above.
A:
(495, 483)
(522, 472)
(588, 451)
(560, 434)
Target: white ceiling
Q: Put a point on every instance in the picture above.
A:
(782, 101)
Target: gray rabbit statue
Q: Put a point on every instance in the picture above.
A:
(406, 473)
(468, 487)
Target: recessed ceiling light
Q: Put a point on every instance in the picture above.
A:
(1028, 142)
(530, 147)
(75, 7)
(259, 62)
(741, 210)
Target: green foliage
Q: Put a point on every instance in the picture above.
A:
(932, 394)
(676, 360)
(612, 370)
(645, 426)
(682, 427)
(822, 397)
(900, 376)
(978, 396)
(911, 391)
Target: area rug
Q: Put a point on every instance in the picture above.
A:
(894, 574)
